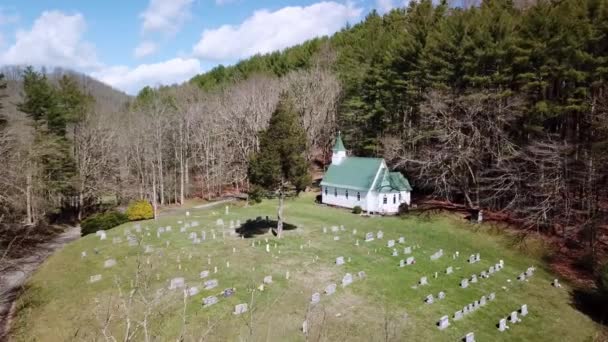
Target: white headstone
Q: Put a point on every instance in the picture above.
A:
(524, 310)
(340, 260)
(502, 325)
(177, 283)
(268, 280)
(95, 278)
(410, 260)
(470, 337)
(423, 281)
(208, 301)
(513, 317)
(240, 308)
(315, 298)
(390, 243)
(330, 289)
(444, 322)
(464, 283)
(209, 284)
(109, 263)
(204, 274)
(369, 237)
(347, 279)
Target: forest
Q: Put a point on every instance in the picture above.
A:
(500, 107)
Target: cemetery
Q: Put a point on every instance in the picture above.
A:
(413, 278)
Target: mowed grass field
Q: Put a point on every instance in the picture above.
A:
(61, 305)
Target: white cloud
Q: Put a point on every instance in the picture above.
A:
(384, 6)
(165, 16)
(223, 2)
(145, 48)
(131, 80)
(55, 39)
(267, 31)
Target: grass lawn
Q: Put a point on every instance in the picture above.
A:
(61, 305)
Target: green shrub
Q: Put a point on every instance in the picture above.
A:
(357, 209)
(102, 221)
(403, 209)
(140, 210)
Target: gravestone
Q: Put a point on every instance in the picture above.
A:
(268, 280)
(410, 261)
(192, 236)
(491, 270)
(315, 298)
(354, 232)
(441, 295)
(474, 278)
(483, 301)
(492, 296)
(102, 236)
(465, 310)
(464, 283)
(324, 230)
(458, 315)
(477, 257)
(95, 278)
(524, 310)
(336, 238)
(472, 259)
(429, 299)
(556, 283)
(177, 283)
(204, 274)
(401, 263)
(228, 292)
(483, 274)
(443, 323)
(395, 253)
(521, 277)
(390, 243)
(470, 337)
(193, 291)
(347, 280)
(407, 250)
(219, 222)
(369, 237)
(208, 301)
(502, 325)
(109, 263)
(334, 229)
(83, 254)
(362, 275)
(305, 327)
(240, 308)
(379, 235)
(449, 270)
(529, 272)
(210, 284)
(513, 317)
(340, 260)
(402, 240)
(148, 249)
(330, 289)
(423, 281)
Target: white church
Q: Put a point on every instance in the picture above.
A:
(364, 182)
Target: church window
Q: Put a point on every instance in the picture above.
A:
(399, 197)
(358, 196)
(335, 192)
(394, 199)
(325, 191)
(384, 201)
(346, 194)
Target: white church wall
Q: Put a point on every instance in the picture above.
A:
(341, 199)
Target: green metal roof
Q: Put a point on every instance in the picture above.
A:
(339, 145)
(392, 181)
(353, 173)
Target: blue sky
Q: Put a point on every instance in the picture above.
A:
(133, 43)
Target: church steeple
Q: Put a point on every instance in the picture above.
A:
(339, 152)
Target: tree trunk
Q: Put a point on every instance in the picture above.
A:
(28, 198)
(154, 195)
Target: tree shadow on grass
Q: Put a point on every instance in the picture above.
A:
(261, 226)
(592, 303)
